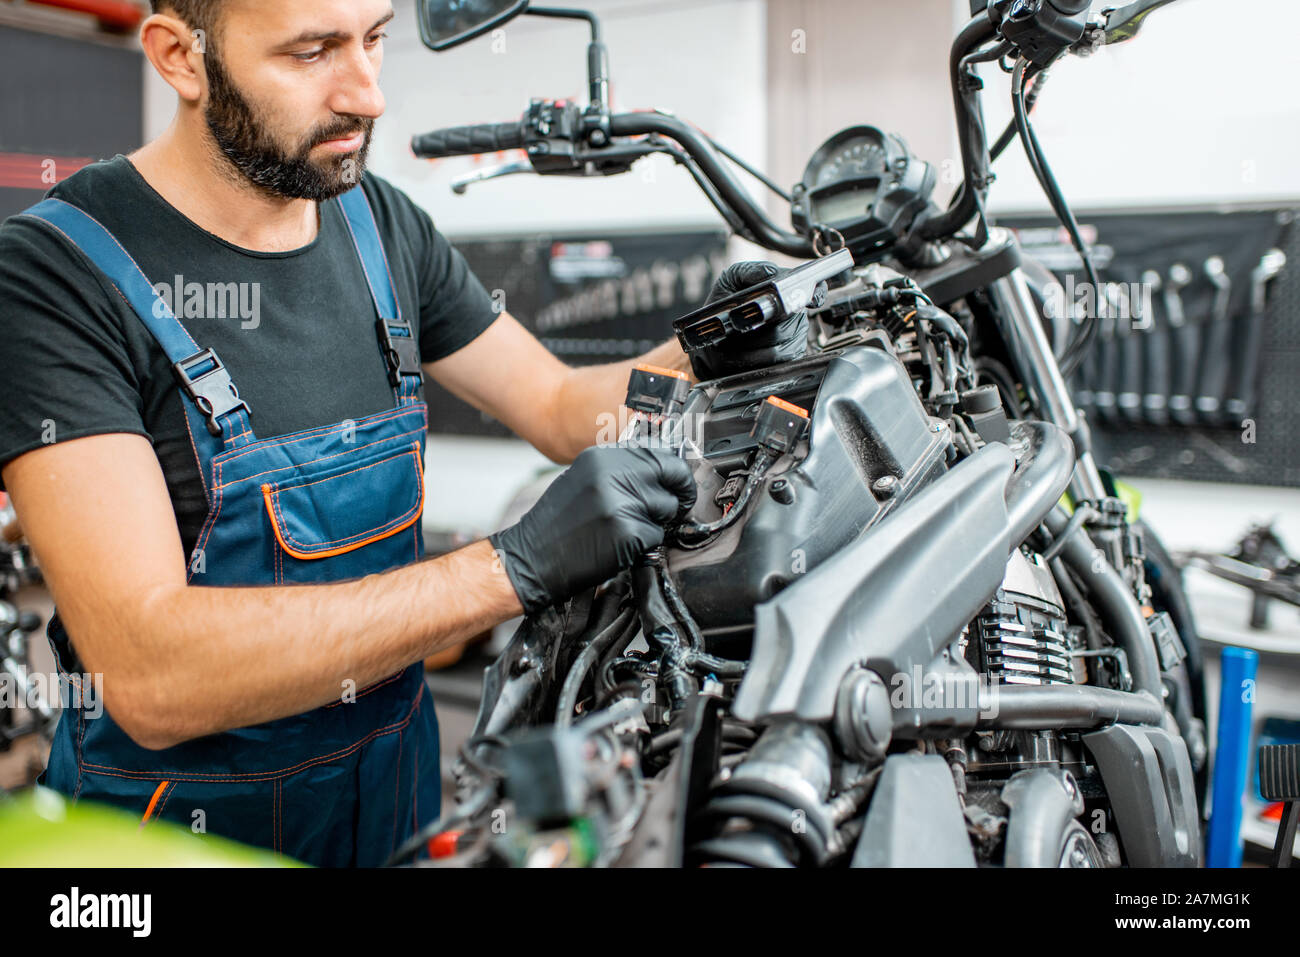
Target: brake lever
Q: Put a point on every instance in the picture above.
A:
(462, 183)
(606, 161)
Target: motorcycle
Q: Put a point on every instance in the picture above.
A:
(18, 568)
(910, 620)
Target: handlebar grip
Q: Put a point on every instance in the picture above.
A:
(468, 140)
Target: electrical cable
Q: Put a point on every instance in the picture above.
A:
(1076, 350)
(757, 174)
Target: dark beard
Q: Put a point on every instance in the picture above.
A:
(259, 159)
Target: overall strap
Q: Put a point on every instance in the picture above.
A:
(218, 417)
(396, 338)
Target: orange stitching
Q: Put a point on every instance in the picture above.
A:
(280, 525)
(242, 418)
(383, 254)
(397, 303)
(397, 790)
(373, 464)
(153, 802)
(341, 549)
(281, 440)
(413, 450)
(361, 259)
(324, 458)
(214, 778)
(365, 691)
(166, 794)
(210, 524)
(81, 724)
(236, 436)
(198, 459)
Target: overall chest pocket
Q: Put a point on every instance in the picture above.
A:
(356, 519)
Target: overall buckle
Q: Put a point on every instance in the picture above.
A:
(212, 391)
(401, 352)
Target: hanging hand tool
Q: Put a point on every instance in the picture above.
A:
(1241, 388)
(1184, 341)
(1215, 343)
(1155, 401)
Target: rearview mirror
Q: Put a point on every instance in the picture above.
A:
(448, 23)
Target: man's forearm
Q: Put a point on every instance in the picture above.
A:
(221, 658)
(591, 394)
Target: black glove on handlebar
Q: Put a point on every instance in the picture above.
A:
(779, 342)
(598, 517)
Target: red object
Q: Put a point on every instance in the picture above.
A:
(29, 171)
(1273, 812)
(121, 14)
(444, 844)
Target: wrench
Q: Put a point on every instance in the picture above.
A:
(1241, 391)
(1155, 402)
(1214, 350)
(1184, 345)
(1131, 344)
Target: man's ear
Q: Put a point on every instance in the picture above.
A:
(176, 52)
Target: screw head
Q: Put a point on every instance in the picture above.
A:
(885, 485)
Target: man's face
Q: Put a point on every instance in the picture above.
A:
(292, 95)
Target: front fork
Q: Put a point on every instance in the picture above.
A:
(1016, 314)
(1017, 318)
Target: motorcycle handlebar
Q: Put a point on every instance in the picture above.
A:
(468, 140)
(490, 137)
(700, 149)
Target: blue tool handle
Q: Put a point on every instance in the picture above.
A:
(1231, 757)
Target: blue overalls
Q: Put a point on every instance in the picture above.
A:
(346, 783)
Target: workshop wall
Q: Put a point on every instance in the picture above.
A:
(1200, 108)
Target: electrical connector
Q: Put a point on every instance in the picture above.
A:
(779, 425)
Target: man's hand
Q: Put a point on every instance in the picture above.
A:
(560, 411)
(180, 661)
(780, 342)
(602, 513)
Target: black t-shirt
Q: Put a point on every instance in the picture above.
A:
(298, 333)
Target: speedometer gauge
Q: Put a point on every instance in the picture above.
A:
(865, 185)
(860, 158)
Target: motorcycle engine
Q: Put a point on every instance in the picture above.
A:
(869, 446)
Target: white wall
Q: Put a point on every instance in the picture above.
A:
(702, 58)
(1200, 107)
(832, 64)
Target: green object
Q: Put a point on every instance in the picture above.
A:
(1131, 498)
(1126, 493)
(42, 828)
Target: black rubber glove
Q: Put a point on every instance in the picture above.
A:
(779, 342)
(598, 517)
